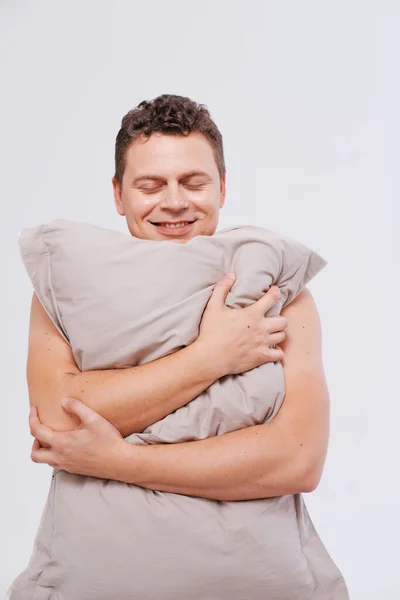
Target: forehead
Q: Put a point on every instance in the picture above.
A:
(169, 155)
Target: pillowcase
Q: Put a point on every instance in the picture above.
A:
(120, 301)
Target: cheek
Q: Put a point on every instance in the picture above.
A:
(207, 205)
(139, 208)
(213, 212)
(207, 224)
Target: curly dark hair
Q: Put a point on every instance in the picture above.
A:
(169, 114)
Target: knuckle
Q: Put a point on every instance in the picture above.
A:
(58, 445)
(224, 281)
(62, 448)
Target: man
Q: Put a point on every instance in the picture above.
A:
(170, 183)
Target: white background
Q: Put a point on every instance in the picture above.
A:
(306, 95)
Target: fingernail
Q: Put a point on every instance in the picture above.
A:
(230, 275)
(65, 401)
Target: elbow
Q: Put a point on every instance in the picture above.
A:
(54, 416)
(311, 482)
(47, 400)
(312, 474)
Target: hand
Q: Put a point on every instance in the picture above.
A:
(240, 339)
(91, 449)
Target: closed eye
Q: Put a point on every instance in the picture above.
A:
(152, 190)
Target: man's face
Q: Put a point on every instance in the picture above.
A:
(170, 179)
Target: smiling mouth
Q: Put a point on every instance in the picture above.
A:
(173, 225)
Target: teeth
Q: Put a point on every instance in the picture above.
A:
(174, 225)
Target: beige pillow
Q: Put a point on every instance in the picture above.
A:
(122, 301)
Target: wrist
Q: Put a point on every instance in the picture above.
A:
(127, 462)
(208, 362)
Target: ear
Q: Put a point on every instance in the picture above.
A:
(117, 197)
(222, 191)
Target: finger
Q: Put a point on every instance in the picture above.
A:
(36, 444)
(38, 430)
(221, 290)
(41, 455)
(40, 444)
(266, 301)
(275, 354)
(85, 413)
(276, 338)
(275, 324)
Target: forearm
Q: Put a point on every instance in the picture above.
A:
(136, 397)
(256, 462)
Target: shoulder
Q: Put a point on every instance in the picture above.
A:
(304, 299)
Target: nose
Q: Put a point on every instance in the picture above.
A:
(174, 199)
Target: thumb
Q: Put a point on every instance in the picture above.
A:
(222, 289)
(77, 407)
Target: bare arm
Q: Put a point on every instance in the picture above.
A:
(284, 456)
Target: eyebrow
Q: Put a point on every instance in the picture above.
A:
(184, 176)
